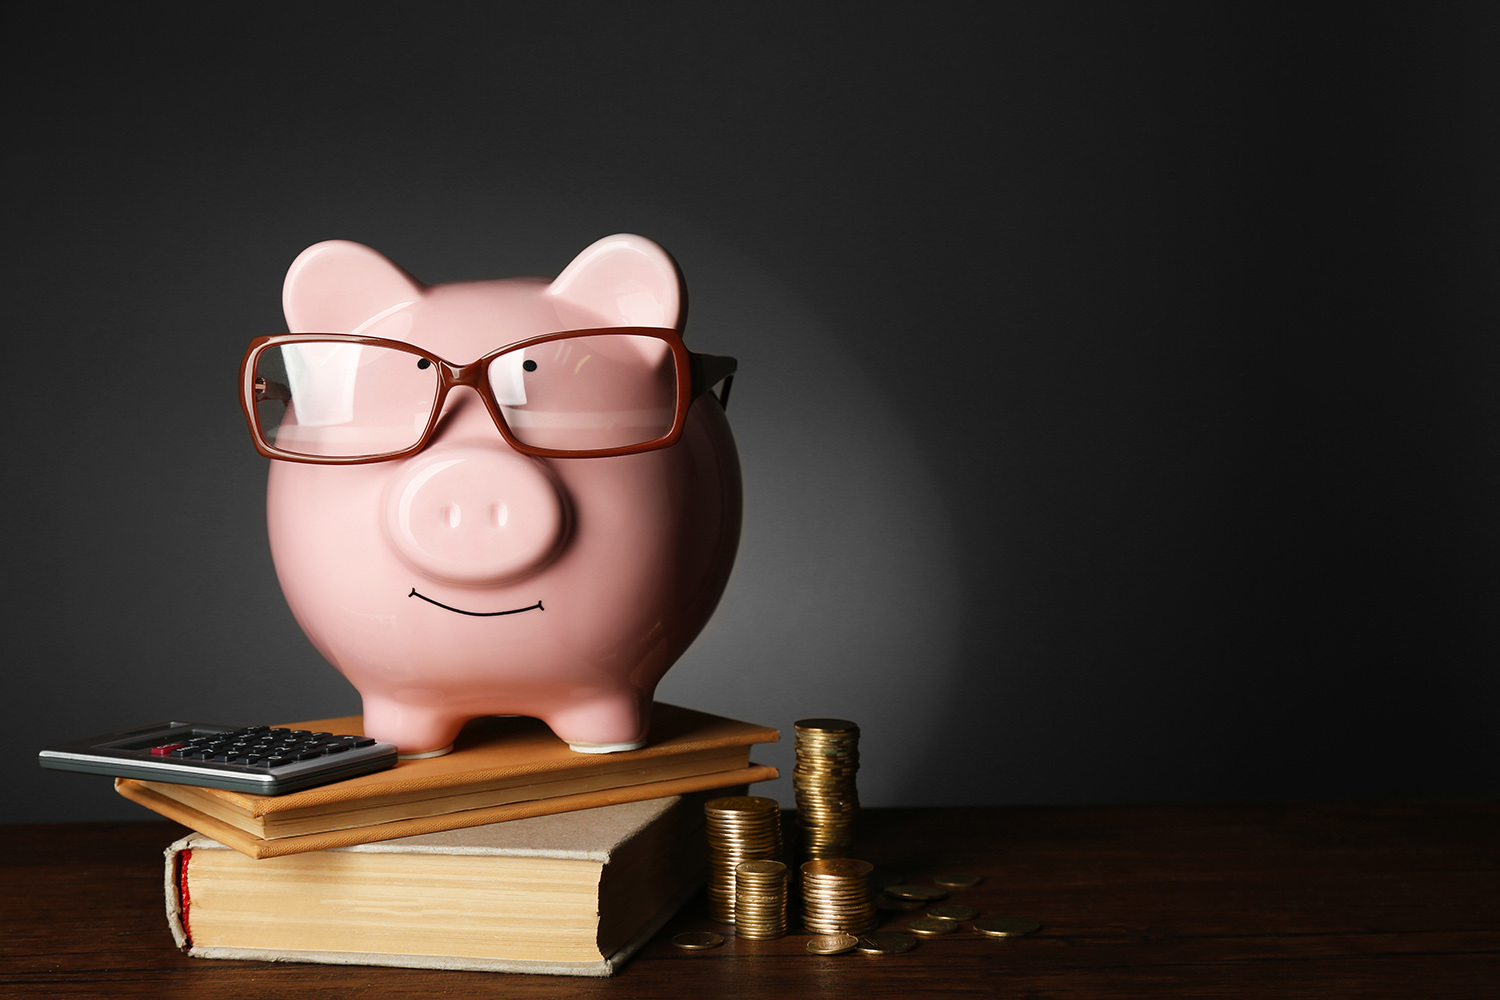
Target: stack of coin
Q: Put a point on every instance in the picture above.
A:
(827, 757)
(836, 895)
(740, 828)
(760, 899)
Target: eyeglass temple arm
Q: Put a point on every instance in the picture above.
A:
(711, 369)
(266, 389)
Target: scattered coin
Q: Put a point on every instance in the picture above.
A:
(932, 926)
(697, 940)
(1006, 926)
(886, 943)
(953, 911)
(885, 902)
(925, 892)
(957, 880)
(831, 944)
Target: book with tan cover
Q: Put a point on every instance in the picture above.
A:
(500, 769)
(567, 894)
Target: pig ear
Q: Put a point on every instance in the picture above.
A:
(337, 286)
(626, 279)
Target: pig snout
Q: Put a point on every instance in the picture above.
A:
(474, 515)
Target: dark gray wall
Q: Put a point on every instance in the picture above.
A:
(1117, 404)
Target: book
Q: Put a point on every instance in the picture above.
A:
(572, 893)
(500, 769)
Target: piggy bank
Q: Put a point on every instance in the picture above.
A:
(510, 497)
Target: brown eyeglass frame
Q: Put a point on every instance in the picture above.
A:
(705, 370)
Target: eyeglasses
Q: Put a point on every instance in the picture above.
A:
(342, 399)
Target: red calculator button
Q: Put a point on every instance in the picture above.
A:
(166, 750)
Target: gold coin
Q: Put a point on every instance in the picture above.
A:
(838, 868)
(760, 867)
(826, 726)
(826, 762)
(885, 902)
(831, 944)
(932, 926)
(741, 804)
(1006, 926)
(953, 911)
(957, 880)
(886, 943)
(927, 892)
(697, 940)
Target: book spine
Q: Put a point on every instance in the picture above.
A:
(179, 855)
(185, 895)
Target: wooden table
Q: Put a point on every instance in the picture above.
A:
(1323, 900)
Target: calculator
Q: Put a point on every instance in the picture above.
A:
(264, 760)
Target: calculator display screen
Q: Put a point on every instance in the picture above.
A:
(154, 738)
(138, 744)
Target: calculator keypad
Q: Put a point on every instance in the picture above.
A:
(260, 760)
(262, 747)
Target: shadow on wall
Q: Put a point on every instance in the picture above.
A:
(843, 600)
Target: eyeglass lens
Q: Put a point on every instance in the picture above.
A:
(346, 400)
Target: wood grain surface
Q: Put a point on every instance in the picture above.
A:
(1310, 900)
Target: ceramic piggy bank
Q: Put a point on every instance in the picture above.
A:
(515, 497)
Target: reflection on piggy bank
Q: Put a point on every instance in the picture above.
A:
(515, 497)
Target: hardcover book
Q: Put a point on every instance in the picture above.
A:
(571, 893)
(500, 769)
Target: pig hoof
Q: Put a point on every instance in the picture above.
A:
(420, 754)
(605, 747)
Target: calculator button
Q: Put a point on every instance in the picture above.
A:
(337, 747)
(166, 749)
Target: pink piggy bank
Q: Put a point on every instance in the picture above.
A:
(515, 497)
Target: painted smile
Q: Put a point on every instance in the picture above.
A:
(477, 614)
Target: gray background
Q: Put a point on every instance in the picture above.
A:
(1117, 405)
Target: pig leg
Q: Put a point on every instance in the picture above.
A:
(417, 730)
(605, 725)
